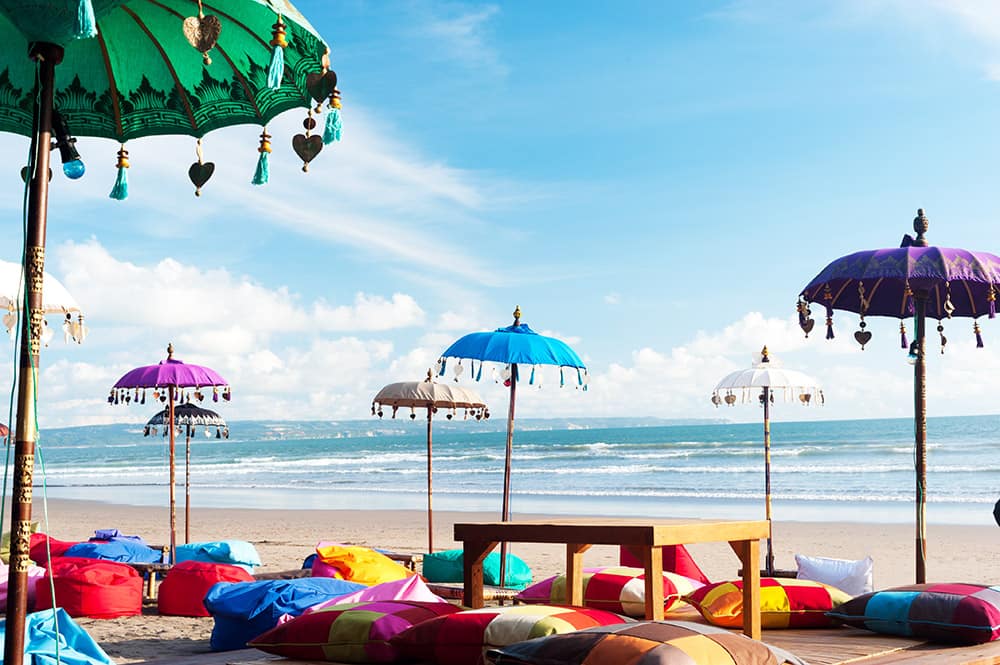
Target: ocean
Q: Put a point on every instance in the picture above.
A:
(820, 471)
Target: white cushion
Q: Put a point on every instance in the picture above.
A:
(852, 577)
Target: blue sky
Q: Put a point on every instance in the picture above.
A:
(653, 182)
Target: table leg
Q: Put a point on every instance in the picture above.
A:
(574, 573)
(472, 571)
(652, 561)
(749, 553)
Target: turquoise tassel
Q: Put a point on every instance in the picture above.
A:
(334, 125)
(261, 175)
(531, 381)
(86, 23)
(276, 71)
(120, 191)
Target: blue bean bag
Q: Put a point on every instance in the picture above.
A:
(49, 630)
(125, 551)
(234, 552)
(244, 610)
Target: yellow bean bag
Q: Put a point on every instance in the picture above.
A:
(361, 564)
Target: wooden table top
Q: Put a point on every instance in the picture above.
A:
(595, 531)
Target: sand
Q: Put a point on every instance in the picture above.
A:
(284, 538)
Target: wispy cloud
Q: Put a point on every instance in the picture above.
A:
(461, 34)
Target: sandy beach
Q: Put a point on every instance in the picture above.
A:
(284, 538)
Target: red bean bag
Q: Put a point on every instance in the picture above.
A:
(181, 592)
(38, 552)
(91, 588)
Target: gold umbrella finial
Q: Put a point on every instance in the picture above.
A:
(170, 350)
(920, 225)
(429, 375)
(517, 315)
(763, 355)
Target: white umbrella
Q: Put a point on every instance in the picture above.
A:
(56, 300)
(759, 384)
(431, 396)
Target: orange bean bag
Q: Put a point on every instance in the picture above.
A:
(181, 592)
(90, 588)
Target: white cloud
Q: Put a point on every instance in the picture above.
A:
(464, 37)
(612, 299)
(370, 313)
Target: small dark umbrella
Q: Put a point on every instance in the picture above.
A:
(190, 417)
(913, 280)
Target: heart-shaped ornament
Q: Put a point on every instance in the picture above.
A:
(307, 147)
(863, 337)
(203, 33)
(320, 86)
(199, 174)
(807, 325)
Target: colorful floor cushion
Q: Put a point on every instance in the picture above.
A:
(53, 638)
(411, 588)
(446, 566)
(646, 642)
(852, 577)
(350, 632)
(34, 572)
(235, 552)
(359, 564)
(182, 591)
(41, 546)
(90, 588)
(957, 613)
(676, 559)
(617, 589)
(784, 603)
(244, 610)
(126, 551)
(115, 534)
(461, 638)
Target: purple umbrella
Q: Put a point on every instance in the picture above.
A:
(173, 382)
(913, 280)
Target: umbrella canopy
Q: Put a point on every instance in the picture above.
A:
(57, 300)
(512, 346)
(759, 383)
(913, 280)
(431, 396)
(124, 69)
(172, 381)
(190, 417)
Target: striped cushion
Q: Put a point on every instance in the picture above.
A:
(958, 613)
(784, 603)
(461, 638)
(648, 643)
(618, 589)
(349, 633)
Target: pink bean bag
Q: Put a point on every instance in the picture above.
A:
(183, 589)
(34, 572)
(90, 588)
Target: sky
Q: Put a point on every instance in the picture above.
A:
(652, 182)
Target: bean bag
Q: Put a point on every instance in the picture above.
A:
(446, 566)
(34, 572)
(410, 589)
(359, 564)
(53, 638)
(91, 588)
(182, 591)
(38, 551)
(115, 534)
(236, 552)
(676, 559)
(244, 610)
(125, 551)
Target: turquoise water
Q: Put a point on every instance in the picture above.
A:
(828, 471)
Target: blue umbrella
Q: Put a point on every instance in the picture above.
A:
(514, 345)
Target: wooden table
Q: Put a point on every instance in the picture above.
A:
(643, 537)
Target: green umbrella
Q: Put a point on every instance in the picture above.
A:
(125, 69)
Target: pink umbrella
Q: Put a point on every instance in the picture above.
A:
(173, 382)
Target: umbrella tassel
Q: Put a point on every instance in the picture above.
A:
(120, 190)
(86, 24)
(944, 340)
(562, 379)
(979, 334)
(276, 70)
(263, 171)
(992, 298)
(829, 326)
(531, 379)
(479, 374)
(443, 364)
(903, 344)
(579, 377)
(334, 124)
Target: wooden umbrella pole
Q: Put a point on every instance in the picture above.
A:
(769, 558)
(187, 484)
(173, 479)
(920, 431)
(47, 56)
(430, 509)
(506, 469)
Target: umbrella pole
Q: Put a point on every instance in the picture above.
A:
(187, 484)
(173, 479)
(769, 558)
(506, 469)
(47, 56)
(430, 510)
(920, 432)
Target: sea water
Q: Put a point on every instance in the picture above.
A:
(826, 471)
